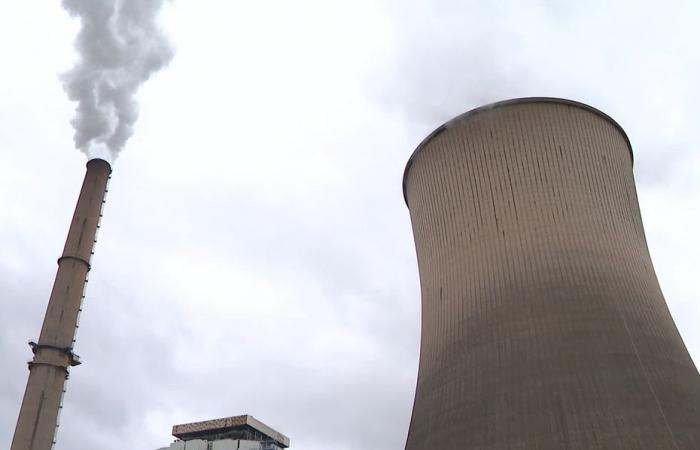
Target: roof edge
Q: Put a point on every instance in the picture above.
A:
(499, 104)
(202, 428)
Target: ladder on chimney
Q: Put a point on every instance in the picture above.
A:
(80, 310)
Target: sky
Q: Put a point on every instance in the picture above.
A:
(256, 255)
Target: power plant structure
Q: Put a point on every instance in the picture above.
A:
(53, 352)
(543, 323)
(229, 433)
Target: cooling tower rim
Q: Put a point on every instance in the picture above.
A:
(452, 122)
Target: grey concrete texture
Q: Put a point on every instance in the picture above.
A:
(53, 353)
(543, 323)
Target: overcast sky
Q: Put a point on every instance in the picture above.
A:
(256, 255)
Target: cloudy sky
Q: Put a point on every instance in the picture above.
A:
(256, 255)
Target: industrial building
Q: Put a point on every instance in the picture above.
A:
(543, 323)
(230, 433)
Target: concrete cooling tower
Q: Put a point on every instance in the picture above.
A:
(543, 324)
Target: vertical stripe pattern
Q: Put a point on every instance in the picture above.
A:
(543, 324)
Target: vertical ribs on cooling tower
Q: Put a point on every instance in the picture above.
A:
(543, 324)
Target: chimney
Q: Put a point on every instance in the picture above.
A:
(53, 353)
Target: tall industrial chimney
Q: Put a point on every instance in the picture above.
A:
(543, 324)
(53, 353)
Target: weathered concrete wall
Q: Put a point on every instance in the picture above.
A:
(543, 324)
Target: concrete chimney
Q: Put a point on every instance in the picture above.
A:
(53, 353)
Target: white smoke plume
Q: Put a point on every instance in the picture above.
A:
(119, 46)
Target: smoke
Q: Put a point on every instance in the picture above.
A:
(119, 46)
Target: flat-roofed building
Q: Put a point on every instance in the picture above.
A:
(229, 433)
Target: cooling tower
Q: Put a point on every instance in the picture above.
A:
(53, 353)
(543, 324)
